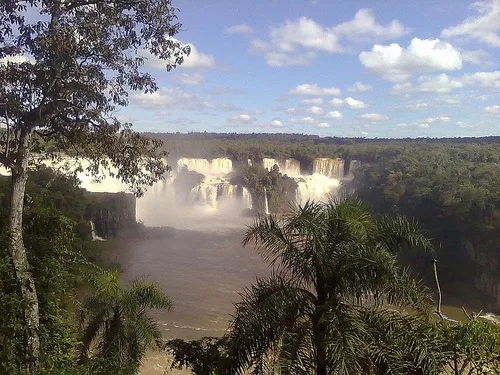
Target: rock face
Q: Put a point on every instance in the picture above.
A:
(111, 213)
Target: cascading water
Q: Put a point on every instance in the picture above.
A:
(353, 165)
(331, 168)
(266, 203)
(95, 237)
(291, 168)
(195, 165)
(269, 163)
(221, 166)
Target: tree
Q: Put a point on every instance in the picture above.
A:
(116, 330)
(323, 310)
(62, 78)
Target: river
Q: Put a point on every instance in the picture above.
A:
(202, 272)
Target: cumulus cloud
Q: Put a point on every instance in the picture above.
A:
(195, 60)
(415, 125)
(417, 107)
(359, 87)
(298, 41)
(190, 79)
(373, 117)
(334, 115)
(157, 98)
(348, 102)
(315, 110)
(485, 27)
(291, 110)
(239, 29)
(314, 89)
(442, 83)
(493, 109)
(363, 27)
(277, 123)
(431, 120)
(315, 101)
(395, 63)
(242, 118)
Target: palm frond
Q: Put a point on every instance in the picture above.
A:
(266, 310)
(397, 232)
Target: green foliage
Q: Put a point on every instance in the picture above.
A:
(116, 328)
(334, 268)
(280, 188)
(207, 356)
(472, 347)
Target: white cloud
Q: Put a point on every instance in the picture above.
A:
(277, 123)
(431, 120)
(359, 87)
(485, 27)
(395, 63)
(373, 117)
(190, 79)
(363, 27)
(483, 79)
(478, 57)
(242, 118)
(314, 89)
(349, 102)
(298, 41)
(154, 99)
(315, 110)
(441, 83)
(417, 107)
(195, 59)
(334, 115)
(323, 125)
(18, 59)
(493, 109)
(239, 29)
(304, 120)
(416, 125)
(291, 110)
(315, 101)
(304, 32)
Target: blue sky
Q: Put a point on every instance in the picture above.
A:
(333, 68)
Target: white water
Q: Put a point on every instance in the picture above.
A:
(332, 168)
(95, 237)
(266, 203)
(315, 187)
(217, 167)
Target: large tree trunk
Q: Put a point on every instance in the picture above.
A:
(18, 253)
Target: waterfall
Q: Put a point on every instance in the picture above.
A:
(221, 166)
(204, 194)
(196, 165)
(316, 187)
(95, 237)
(266, 203)
(332, 168)
(249, 162)
(246, 197)
(291, 168)
(353, 165)
(269, 163)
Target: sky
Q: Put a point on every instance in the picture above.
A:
(386, 68)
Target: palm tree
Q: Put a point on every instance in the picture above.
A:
(325, 307)
(116, 330)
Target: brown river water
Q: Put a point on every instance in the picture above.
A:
(201, 271)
